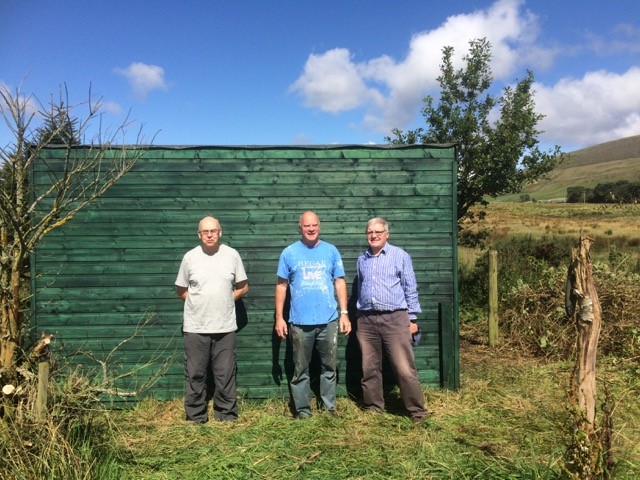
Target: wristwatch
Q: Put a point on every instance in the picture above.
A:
(344, 312)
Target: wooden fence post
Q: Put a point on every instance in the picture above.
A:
(588, 322)
(41, 352)
(493, 298)
(589, 454)
(43, 385)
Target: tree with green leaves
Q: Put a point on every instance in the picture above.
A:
(82, 174)
(495, 157)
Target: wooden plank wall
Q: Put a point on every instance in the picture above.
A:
(97, 279)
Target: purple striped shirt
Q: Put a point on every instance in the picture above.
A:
(386, 281)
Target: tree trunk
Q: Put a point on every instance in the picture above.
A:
(10, 338)
(588, 322)
(7, 338)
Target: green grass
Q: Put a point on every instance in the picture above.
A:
(507, 421)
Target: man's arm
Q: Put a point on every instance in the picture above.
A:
(241, 290)
(182, 293)
(281, 294)
(341, 292)
(410, 288)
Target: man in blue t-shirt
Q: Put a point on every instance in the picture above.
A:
(314, 274)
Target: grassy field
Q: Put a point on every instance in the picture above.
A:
(507, 421)
(607, 223)
(605, 162)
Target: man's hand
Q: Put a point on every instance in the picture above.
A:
(345, 325)
(281, 328)
(182, 293)
(413, 328)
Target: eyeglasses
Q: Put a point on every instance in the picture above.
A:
(372, 233)
(215, 231)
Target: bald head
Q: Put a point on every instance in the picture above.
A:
(308, 217)
(208, 223)
(209, 231)
(309, 226)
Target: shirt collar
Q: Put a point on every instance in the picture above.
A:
(382, 250)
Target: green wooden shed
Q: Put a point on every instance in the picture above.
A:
(106, 279)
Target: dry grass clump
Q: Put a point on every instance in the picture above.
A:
(72, 441)
(533, 320)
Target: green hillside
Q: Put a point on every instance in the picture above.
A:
(605, 162)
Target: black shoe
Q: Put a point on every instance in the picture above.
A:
(199, 421)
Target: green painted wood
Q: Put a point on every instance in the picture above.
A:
(113, 218)
(165, 270)
(113, 267)
(448, 346)
(280, 178)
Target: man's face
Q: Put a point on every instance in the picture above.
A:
(376, 236)
(209, 232)
(310, 228)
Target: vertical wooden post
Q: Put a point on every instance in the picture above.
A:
(43, 394)
(41, 352)
(493, 298)
(588, 322)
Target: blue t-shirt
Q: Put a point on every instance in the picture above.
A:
(311, 273)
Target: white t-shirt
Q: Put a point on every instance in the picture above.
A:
(210, 280)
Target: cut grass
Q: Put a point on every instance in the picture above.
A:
(507, 421)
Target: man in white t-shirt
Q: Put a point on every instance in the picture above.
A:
(210, 280)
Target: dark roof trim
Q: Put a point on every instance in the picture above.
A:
(272, 147)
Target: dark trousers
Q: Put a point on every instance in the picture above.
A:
(304, 339)
(388, 334)
(206, 354)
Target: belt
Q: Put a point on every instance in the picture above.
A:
(379, 312)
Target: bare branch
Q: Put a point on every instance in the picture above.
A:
(69, 177)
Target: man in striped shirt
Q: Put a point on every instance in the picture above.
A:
(387, 312)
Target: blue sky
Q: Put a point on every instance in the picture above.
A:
(286, 72)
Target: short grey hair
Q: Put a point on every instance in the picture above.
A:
(379, 220)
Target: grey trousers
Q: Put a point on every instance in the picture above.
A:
(388, 334)
(204, 355)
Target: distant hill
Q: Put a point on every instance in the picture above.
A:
(605, 162)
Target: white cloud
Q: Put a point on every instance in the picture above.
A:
(28, 102)
(111, 107)
(143, 78)
(598, 107)
(391, 91)
(331, 82)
